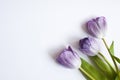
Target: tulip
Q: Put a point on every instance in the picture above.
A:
(97, 27)
(69, 58)
(89, 46)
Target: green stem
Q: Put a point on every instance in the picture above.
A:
(106, 61)
(86, 73)
(110, 55)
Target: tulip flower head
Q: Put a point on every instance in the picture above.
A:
(69, 58)
(97, 27)
(89, 46)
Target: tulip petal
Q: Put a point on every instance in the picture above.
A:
(97, 27)
(89, 46)
(101, 21)
(92, 28)
(69, 58)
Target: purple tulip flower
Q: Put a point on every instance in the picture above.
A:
(69, 58)
(97, 27)
(89, 46)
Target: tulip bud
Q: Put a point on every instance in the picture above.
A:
(89, 46)
(97, 27)
(69, 58)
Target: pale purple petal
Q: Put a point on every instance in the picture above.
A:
(93, 28)
(69, 58)
(97, 27)
(102, 24)
(89, 46)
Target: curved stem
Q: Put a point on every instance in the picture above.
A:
(110, 55)
(86, 73)
(106, 61)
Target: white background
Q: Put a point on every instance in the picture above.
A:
(32, 32)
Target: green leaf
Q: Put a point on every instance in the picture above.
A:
(117, 59)
(118, 76)
(92, 71)
(112, 48)
(103, 66)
